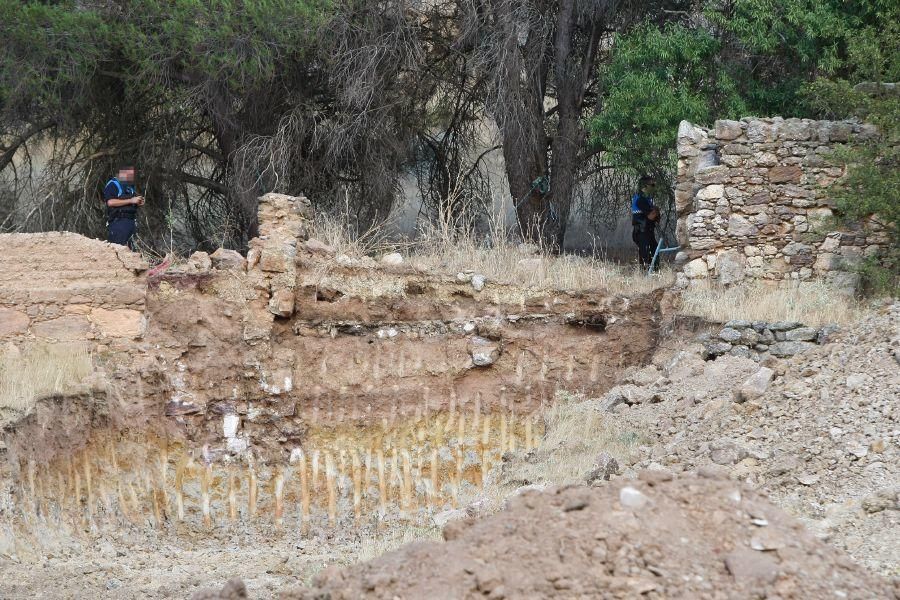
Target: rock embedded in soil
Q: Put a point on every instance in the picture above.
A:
(756, 385)
(484, 352)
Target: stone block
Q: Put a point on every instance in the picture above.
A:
(765, 159)
(759, 132)
(689, 138)
(795, 248)
(826, 261)
(683, 200)
(282, 303)
(758, 198)
(839, 131)
(13, 322)
(795, 130)
(739, 226)
(786, 349)
(844, 281)
(696, 269)
(713, 174)
(756, 385)
(730, 267)
(704, 243)
(739, 149)
(801, 334)
(728, 130)
(273, 261)
(121, 323)
(225, 259)
(68, 328)
(785, 174)
(711, 192)
(484, 352)
(200, 262)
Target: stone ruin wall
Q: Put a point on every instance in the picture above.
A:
(752, 202)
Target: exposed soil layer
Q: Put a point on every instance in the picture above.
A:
(386, 357)
(688, 538)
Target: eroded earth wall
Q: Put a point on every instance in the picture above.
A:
(752, 201)
(222, 379)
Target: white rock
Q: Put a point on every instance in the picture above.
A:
(696, 269)
(632, 498)
(712, 192)
(478, 282)
(392, 259)
(484, 352)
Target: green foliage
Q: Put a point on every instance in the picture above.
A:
(656, 78)
(49, 56)
(872, 187)
(777, 47)
(239, 45)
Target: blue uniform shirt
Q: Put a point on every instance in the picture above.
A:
(641, 206)
(116, 189)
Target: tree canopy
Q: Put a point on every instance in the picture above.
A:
(219, 101)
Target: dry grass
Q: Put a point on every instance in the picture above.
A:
(812, 303)
(577, 431)
(445, 250)
(500, 261)
(38, 370)
(393, 538)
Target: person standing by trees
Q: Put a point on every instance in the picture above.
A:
(121, 207)
(644, 216)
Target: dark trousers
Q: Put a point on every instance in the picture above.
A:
(645, 238)
(121, 231)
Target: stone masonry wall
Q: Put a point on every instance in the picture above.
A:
(751, 199)
(62, 287)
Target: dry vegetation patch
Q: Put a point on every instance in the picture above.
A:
(813, 303)
(37, 370)
(493, 255)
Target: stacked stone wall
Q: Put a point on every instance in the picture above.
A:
(63, 287)
(752, 202)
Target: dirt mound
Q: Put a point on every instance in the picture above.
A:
(657, 537)
(818, 433)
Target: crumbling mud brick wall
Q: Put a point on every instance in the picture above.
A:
(62, 287)
(752, 202)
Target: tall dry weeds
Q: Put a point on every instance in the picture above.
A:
(38, 370)
(813, 303)
(446, 245)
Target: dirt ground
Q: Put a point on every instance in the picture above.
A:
(656, 537)
(792, 493)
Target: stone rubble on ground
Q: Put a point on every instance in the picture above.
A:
(819, 430)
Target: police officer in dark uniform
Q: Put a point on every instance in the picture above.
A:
(121, 207)
(644, 216)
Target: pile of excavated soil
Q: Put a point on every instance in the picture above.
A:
(656, 537)
(822, 440)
